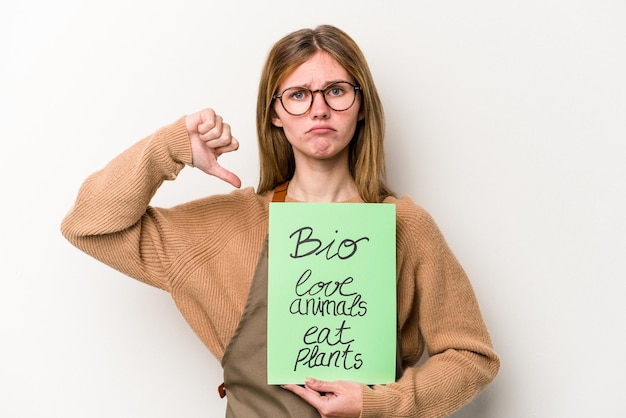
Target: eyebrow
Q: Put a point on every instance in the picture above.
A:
(328, 83)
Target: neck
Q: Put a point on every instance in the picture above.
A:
(322, 186)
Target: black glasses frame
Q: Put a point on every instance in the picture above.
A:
(279, 96)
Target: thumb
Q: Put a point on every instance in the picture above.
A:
(224, 174)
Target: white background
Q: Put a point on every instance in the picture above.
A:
(506, 120)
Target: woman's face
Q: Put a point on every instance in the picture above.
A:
(322, 133)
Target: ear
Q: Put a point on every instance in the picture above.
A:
(276, 120)
(361, 115)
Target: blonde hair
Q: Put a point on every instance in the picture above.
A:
(366, 156)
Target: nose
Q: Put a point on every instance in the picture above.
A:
(319, 107)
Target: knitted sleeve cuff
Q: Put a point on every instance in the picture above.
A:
(178, 142)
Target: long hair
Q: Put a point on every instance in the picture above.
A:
(366, 152)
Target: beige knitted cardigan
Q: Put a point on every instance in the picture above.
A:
(204, 253)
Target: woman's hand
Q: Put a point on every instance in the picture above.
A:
(210, 137)
(338, 399)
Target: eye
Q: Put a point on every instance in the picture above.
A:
(335, 90)
(298, 94)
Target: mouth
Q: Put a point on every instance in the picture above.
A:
(320, 130)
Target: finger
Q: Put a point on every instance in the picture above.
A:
(310, 396)
(210, 126)
(321, 385)
(210, 121)
(213, 129)
(220, 136)
(222, 173)
(232, 146)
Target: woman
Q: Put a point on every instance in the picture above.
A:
(320, 127)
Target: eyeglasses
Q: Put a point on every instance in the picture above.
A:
(339, 96)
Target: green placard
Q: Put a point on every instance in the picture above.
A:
(331, 292)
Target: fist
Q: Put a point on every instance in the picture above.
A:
(211, 137)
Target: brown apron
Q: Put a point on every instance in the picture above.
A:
(245, 359)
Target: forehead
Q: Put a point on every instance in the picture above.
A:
(319, 70)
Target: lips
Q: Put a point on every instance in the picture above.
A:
(320, 130)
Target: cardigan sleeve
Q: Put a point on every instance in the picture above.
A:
(111, 218)
(438, 310)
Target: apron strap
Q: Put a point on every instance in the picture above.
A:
(280, 192)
